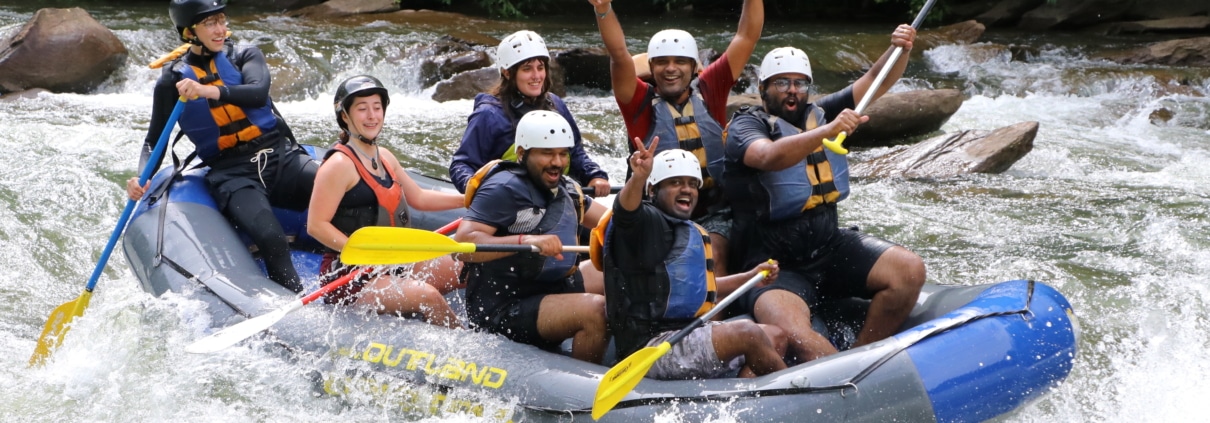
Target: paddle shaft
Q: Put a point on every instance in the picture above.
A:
(148, 169)
(890, 63)
(834, 145)
(718, 308)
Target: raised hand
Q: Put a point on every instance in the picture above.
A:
(846, 122)
(903, 36)
(640, 160)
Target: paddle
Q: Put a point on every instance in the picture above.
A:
(373, 245)
(625, 375)
(835, 145)
(243, 330)
(60, 318)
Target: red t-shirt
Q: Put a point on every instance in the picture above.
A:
(715, 83)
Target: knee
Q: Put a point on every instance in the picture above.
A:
(593, 309)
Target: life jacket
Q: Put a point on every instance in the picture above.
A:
(821, 178)
(214, 126)
(693, 128)
(392, 208)
(643, 302)
(562, 217)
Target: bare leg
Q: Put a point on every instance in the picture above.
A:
(388, 295)
(896, 278)
(789, 312)
(441, 273)
(594, 280)
(577, 316)
(746, 338)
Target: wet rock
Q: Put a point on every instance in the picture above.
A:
(467, 84)
(896, 117)
(62, 50)
(970, 151)
(1184, 52)
(27, 94)
(338, 8)
(1160, 116)
(966, 32)
(588, 67)
(1187, 24)
(443, 66)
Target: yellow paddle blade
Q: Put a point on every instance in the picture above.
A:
(56, 326)
(376, 245)
(624, 376)
(835, 146)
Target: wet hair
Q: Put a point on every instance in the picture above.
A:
(510, 96)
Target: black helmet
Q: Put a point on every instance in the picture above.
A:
(186, 13)
(357, 86)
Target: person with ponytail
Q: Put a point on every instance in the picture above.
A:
(255, 164)
(362, 184)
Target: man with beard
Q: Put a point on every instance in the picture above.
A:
(659, 276)
(684, 108)
(785, 186)
(532, 298)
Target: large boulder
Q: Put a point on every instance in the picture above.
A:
(61, 50)
(970, 151)
(896, 117)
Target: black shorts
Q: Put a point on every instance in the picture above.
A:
(518, 321)
(286, 175)
(838, 269)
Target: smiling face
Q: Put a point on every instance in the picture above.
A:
(545, 165)
(676, 196)
(672, 76)
(212, 31)
(791, 103)
(529, 77)
(364, 116)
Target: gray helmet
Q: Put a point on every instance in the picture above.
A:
(357, 86)
(186, 13)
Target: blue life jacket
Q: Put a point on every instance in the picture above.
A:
(643, 302)
(214, 126)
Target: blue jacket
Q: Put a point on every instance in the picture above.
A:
(489, 133)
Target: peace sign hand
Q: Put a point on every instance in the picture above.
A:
(641, 159)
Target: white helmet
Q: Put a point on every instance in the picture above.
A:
(672, 42)
(785, 60)
(673, 163)
(543, 129)
(519, 47)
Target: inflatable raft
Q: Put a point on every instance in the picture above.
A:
(968, 353)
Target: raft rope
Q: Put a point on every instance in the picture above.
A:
(852, 383)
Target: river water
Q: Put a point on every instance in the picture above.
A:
(1110, 208)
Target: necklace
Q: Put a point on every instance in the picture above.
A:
(373, 160)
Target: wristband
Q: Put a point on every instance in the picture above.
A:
(519, 239)
(605, 13)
